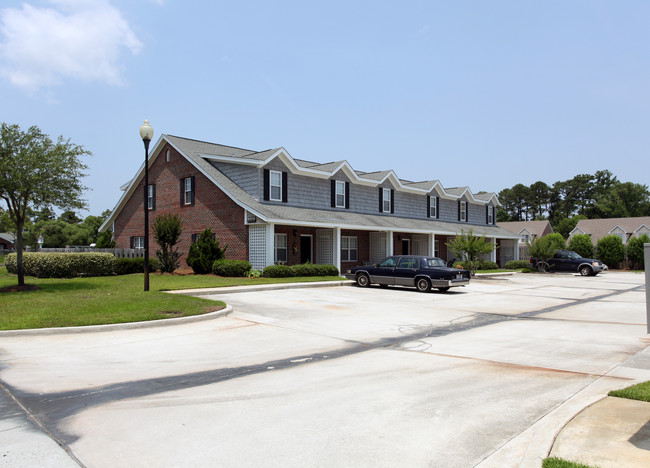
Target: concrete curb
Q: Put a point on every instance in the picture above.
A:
(260, 287)
(118, 326)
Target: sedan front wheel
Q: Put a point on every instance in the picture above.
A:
(423, 284)
(363, 281)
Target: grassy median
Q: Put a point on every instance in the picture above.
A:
(112, 299)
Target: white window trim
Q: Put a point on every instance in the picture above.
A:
(188, 190)
(340, 192)
(463, 211)
(138, 242)
(150, 197)
(386, 199)
(436, 248)
(272, 185)
(433, 207)
(347, 248)
(490, 215)
(280, 244)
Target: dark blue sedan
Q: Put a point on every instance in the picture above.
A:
(416, 271)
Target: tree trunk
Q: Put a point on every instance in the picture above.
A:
(19, 254)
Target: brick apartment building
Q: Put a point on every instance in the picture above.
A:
(268, 207)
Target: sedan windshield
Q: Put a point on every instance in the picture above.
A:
(435, 262)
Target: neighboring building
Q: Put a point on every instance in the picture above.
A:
(528, 230)
(625, 228)
(7, 241)
(268, 207)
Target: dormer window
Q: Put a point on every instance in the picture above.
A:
(386, 200)
(489, 219)
(462, 211)
(276, 186)
(432, 207)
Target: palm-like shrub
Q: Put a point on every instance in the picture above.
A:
(167, 228)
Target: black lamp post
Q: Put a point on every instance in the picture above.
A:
(146, 133)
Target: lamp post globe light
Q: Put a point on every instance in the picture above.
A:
(146, 133)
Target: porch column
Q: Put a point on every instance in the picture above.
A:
(336, 249)
(270, 244)
(516, 248)
(390, 248)
(432, 245)
(493, 254)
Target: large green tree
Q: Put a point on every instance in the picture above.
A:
(37, 172)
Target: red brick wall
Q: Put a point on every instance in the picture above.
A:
(363, 246)
(212, 209)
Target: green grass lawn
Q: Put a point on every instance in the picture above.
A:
(554, 462)
(639, 392)
(113, 299)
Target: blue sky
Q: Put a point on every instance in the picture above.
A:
(479, 93)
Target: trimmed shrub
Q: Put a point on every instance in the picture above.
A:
(487, 265)
(232, 268)
(482, 265)
(128, 266)
(204, 252)
(63, 265)
(582, 245)
(517, 264)
(635, 250)
(310, 269)
(277, 271)
(556, 239)
(306, 269)
(167, 228)
(611, 251)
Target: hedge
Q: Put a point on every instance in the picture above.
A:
(63, 265)
(128, 266)
(482, 265)
(517, 264)
(306, 269)
(611, 250)
(231, 268)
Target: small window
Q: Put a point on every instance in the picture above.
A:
(386, 199)
(433, 207)
(463, 211)
(490, 215)
(525, 238)
(276, 185)
(169, 156)
(340, 194)
(151, 197)
(436, 248)
(281, 248)
(349, 249)
(187, 191)
(138, 242)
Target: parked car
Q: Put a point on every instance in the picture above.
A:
(416, 271)
(567, 260)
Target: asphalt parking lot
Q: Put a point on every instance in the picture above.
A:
(480, 376)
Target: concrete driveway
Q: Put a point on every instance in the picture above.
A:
(481, 376)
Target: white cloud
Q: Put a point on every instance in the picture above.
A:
(78, 39)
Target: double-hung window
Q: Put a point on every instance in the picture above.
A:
(462, 211)
(349, 249)
(276, 185)
(490, 215)
(386, 200)
(436, 248)
(151, 197)
(281, 248)
(187, 191)
(340, 194)
(137, 242)
(433, 207)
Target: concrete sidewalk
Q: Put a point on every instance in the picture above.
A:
(613, 432)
